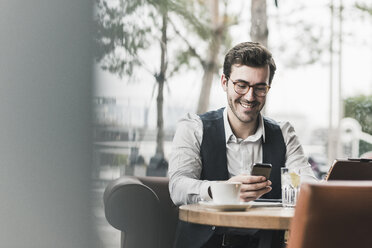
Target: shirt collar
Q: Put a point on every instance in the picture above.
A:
(228, 132)
(260, 132)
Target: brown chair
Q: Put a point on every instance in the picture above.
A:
(333, 215)
(141, 208)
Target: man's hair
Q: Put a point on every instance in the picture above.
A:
(250, 54)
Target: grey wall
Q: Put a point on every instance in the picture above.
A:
(45, 156)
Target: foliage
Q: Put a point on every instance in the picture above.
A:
(304, 41)
(364, 7)
(129, 27)
(360, 108)
(120, 35)
(120, 159)
(307, 41)
(198, 33)
(114, 159)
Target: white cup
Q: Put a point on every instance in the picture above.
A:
(225, 192)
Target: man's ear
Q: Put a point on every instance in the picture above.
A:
(224, 82)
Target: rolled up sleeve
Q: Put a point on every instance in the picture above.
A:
(295, 156)
(185, 164)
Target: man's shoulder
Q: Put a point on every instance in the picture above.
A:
(212, 115)
(271, 122)
(188, 126)
(189, 119)
(284, 126)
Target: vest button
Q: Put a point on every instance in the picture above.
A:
(213, 228)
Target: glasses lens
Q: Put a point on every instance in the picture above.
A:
(241, 88)
(260, 90)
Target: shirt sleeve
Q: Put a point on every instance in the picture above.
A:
(295, 156)
(185, 165)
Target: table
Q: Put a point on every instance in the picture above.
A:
(274, 218)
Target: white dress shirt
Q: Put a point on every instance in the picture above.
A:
(185, 163)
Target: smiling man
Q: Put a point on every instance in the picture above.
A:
(224, 144)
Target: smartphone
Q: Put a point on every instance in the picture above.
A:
(261, 169)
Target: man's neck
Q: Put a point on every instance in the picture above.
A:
(243, 130)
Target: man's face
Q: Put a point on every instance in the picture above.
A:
(245, 108)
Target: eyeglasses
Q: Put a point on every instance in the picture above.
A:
(242, 88)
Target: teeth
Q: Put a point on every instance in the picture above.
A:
(245, 105)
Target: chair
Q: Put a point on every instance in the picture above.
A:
(141, 208)
(333, 215)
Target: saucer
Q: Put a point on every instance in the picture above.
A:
(226, 206)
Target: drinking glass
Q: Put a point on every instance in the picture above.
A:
(290, 187)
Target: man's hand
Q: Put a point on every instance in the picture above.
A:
(253, 187)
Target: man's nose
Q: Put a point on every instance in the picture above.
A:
(249, 96)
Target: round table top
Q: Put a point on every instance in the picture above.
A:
(275, 218)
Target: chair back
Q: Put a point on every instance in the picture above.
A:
(141, 208)
(333, 215)
(168, 211)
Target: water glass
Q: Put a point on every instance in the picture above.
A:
(290, 187)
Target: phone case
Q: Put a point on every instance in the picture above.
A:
(261, 170)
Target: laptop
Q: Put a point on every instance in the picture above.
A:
(350, 169)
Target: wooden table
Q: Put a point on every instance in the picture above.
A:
(275, 218)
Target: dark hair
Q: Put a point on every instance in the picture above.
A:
(251, 54)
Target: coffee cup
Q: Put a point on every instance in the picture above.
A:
(226, 192)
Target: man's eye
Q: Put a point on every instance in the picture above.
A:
(260, 88)
(242, 86)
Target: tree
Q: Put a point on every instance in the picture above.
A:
(259, 31)
(210, 65)
(364, 7)
(212, 31)
(219, 25)
(360, 108)
(304, 41)
(124, 35)
(121, 37)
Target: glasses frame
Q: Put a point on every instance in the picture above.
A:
(249, 87)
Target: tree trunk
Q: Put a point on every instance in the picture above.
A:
(209, 70)
(160, 78)
(210, 66)
(259, 30)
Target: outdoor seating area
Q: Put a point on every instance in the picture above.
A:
(186, 124)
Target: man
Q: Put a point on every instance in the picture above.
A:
(224, 144)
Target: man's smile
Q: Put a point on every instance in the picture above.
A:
(247, 105)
